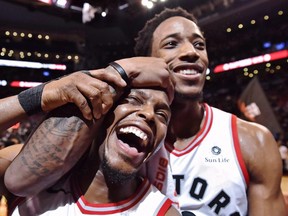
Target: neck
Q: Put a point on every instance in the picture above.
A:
(186, 120)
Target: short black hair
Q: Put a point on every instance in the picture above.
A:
(144, 39)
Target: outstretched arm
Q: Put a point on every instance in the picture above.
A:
(263, 161)
(78, 88)
(60, 141)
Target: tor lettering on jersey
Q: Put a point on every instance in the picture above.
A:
(197, 191)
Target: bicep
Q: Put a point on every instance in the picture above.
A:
(263, 161)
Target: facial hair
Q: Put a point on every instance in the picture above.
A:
(115, 176)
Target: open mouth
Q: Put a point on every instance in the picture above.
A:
(134, 138)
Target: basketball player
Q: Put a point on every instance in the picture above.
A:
(105, 181)
(221, 164)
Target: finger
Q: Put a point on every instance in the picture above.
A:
(97, 106)
(107, 100)
(99, 95)
(76, 97)
(109, 75)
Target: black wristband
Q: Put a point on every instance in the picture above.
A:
(30, 99)
(121, 71)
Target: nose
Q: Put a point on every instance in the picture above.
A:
(147, 113)
(188, 52)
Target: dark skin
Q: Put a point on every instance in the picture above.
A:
(185, 50)
(81, 89)
(148, 112)
(74, 88)
(181, 44)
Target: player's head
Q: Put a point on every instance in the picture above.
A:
(175, 36)
(135, 129)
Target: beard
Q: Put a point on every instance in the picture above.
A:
(114, 176)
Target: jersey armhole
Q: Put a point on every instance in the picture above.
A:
(238, 149)
(164, 208)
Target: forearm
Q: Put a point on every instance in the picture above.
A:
(51, 151)
(11, 112)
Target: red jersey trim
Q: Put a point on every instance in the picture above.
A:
(111, 208)
(199, 137)
(164, 208)
(238, 149)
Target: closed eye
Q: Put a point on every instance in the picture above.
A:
(164, 117)
(134, 100)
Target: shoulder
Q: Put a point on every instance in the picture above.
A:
(253, 134)
(259, 148)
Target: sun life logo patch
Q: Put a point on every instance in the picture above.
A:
(216, 150)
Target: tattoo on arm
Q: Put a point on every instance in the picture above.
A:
(50, 144)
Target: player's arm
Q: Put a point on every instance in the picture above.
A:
(78, 88)
(263, 161)
(6, 156)
(59, 142)
(50, 152)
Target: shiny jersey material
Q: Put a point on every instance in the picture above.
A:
(210, 175)
(66, 202)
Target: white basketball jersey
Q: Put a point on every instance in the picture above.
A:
(147, 200)
(210, 175)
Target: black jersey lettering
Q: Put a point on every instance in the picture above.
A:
(220, 201)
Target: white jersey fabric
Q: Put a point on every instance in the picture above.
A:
(71, 202)
(210, 175)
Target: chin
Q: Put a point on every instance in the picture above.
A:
(117, 175)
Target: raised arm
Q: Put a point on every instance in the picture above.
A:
(61, 140)
(78, 88)
(263, 161)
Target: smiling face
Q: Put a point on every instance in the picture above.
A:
(138, 127)
(180, 42)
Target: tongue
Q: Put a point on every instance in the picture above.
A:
(130, 150)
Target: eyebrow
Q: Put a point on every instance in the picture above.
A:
(145, 96)
(176, 35)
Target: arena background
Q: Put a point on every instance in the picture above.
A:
(247, 43)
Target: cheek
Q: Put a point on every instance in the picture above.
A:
(161, 133)
(167, 55)
(204, 57)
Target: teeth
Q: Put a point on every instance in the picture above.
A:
(135, 131)
(188, 72)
